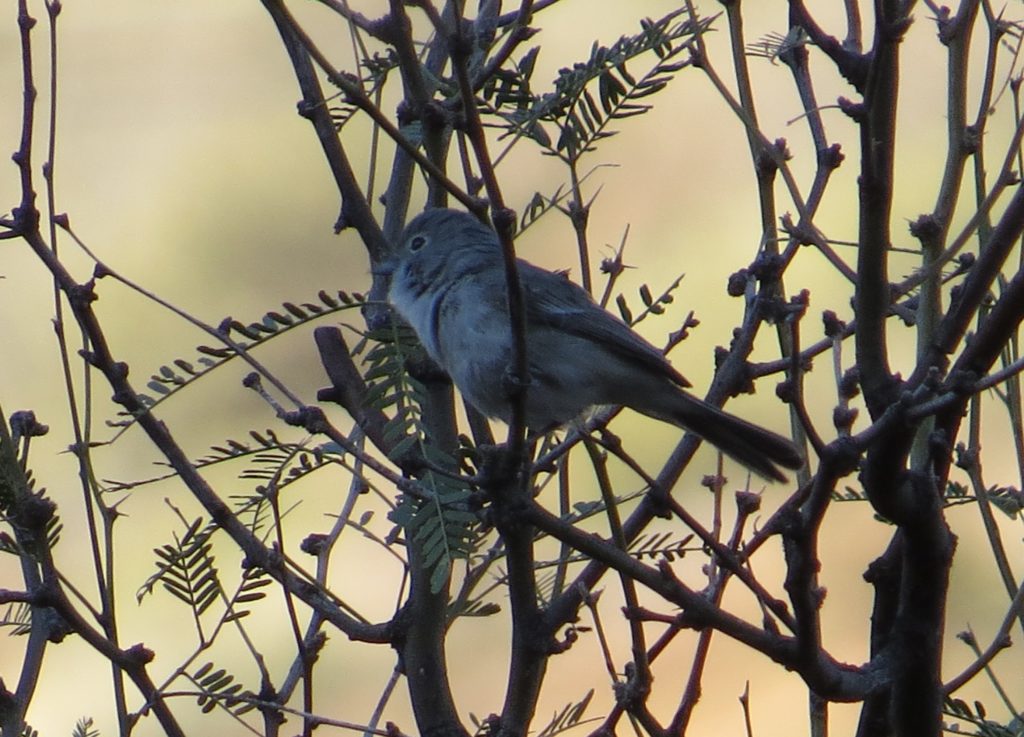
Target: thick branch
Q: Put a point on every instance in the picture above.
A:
(355, 210)
(878, 143)
(827, 677)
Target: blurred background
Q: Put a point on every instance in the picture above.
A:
(182, 164)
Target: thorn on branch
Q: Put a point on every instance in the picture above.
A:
(524, 33)
(642, 614)
(89, 357)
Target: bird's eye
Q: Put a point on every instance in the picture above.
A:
(417, 243)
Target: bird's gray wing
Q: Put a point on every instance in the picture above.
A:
(553, 300)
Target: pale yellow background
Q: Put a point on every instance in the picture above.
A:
(182, 163)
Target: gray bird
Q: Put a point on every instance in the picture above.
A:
(448, 282)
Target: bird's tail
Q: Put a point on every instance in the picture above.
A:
(760, 450)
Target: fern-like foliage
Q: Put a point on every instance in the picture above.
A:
(84, 728)
(583, 510)
(650, 546)
(1007, 499)
(443, 527)
(271, 459)
(538, 206)
(185, 569)
(17, 486)
(378, 66)
(590, 95)
(652, 305)
(220, 688)
(17, 616)
(661, 545)
(179, 373)
(250, 590)
(568, 717)
(15, 476)
(279, 464)
(848, 494)
(773, 45)
(977, 717)
(10, 545)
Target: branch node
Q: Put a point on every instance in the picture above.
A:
(139, 654)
